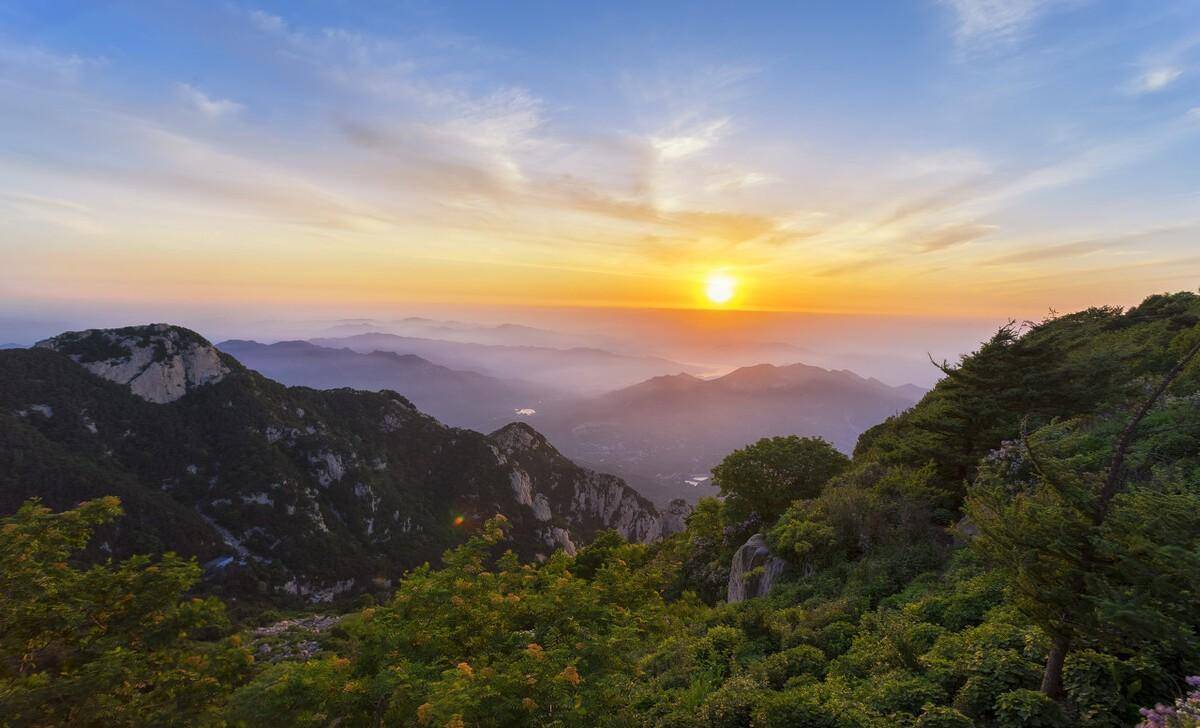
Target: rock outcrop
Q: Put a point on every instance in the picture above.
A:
(158, 362)
(754, 570)
(676, 515)
(584, 502)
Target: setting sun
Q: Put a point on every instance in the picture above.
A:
(720, 288)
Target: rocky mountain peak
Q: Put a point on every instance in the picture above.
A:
(158, 362)
(517, 437)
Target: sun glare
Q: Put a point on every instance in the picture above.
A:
(720, 288)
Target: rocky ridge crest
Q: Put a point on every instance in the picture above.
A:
(160, 363)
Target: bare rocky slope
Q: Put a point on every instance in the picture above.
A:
(280, 490)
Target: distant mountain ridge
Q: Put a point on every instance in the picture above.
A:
(279, 490)
(506, 334)
(664, 434)
(579, 370)
(456, 397)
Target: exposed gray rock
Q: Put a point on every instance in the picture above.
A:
(158, 362)
(618, 506)
(518, 437)
(754, 570)
(964, 531)
(558, 538)
(44, 410)
(674, 519)
(582, 501)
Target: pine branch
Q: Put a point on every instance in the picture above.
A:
(1114, 481)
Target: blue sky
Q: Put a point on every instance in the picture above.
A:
(870, 157)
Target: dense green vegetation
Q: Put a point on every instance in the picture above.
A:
(110, 644)
(1022, 548)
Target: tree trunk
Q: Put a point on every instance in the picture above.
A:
(1052, 678)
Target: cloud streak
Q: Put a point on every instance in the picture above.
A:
(208, 107)
(1156, 79)
(987, 23)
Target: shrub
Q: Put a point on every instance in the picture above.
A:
(835, 638)
(941, 717)
(722, 643)
(1093, 682)
(776, 669)
(798, 708)
(732, 704)
(1028, 709)
(113, 644)
(903, 693)
(824, 705)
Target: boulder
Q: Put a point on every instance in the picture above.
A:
(754, 570)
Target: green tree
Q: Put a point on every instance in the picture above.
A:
(106, 645)
(764, 478)
(1093, 554)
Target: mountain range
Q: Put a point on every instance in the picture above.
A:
(665, 434)
(506, 334)
(577, 370)
(662, 435)
(279, 490)
(455, 397)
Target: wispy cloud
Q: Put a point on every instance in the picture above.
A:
(209, 107)
(858, 265)
(1050, 252)
(986, 23)
(733, 180)
(1039, 253)
(691, 141)
(267, 22)
(1155, 79)
(38, 61)
(953, 235)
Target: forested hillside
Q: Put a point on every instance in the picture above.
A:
(280, 492)
(1021, 548)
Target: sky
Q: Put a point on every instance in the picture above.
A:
(931, 158)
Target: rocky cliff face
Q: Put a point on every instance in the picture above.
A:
(573, 500)
(279, 490)
(159, 363)
(754, 570)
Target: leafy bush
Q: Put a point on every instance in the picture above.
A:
(796, 708)
(835, 638)
(112, 644)
(942, 717)
(775, 670)
(1028, 709)
(731, 705)
(902, 693)
(1096, 687)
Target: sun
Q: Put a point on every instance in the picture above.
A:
(720, 288)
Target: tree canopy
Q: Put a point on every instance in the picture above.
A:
(764, 478)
